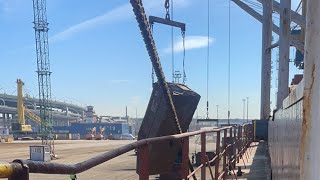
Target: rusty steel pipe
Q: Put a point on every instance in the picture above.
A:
(14, 171)
(7, 170)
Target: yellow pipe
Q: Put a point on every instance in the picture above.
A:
(6, 170)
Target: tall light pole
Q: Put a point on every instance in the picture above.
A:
(217, 115)
(217, 112)
(136, 113)
(244, 108)
(247, 109)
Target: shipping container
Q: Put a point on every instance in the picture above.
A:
(85, 128)
(260, 129)
(4, 131)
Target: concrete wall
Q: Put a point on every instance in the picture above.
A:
(285, 136)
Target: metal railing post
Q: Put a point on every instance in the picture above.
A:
(217, 163)
(235, 145)
(230, 149)
(225, 171)
(248, 136)
(203, 156)
(144, 162)
(245, 137)
(239, 144)
(252, 134)
(185, 158)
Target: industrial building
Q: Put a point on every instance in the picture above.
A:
(84, 128)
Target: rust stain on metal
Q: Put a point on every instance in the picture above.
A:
(306, 120)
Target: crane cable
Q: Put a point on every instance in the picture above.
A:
(184, 56)
(152, 73)
(170, 17)
(208, 57)
(167, 6)
(229, 61)
(183, 33)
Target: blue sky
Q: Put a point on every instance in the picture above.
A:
(98, 57)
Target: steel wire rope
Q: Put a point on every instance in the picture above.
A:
(184, 57)
(172, 42)
(208, 55)
(229, 58)
(152, 73)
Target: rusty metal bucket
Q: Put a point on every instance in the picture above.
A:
(159, 121)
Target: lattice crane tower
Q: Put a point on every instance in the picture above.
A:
(43, 70)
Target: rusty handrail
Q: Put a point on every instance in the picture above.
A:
(58, 168)
(24, 167)
(243, 136)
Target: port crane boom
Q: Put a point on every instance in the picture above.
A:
(23, 111)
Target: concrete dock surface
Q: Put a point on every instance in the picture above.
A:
(255, 164)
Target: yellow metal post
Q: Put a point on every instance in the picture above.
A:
(20, 102)
(21, 109)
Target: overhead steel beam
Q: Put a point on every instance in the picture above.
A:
(284, 49)
(295, 17)
(153, 19)
(294, 42)
(266, 60)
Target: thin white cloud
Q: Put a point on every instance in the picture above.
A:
(191, 42)
(4, 6)
(117, 14)
(119, 81)
(134, 100)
